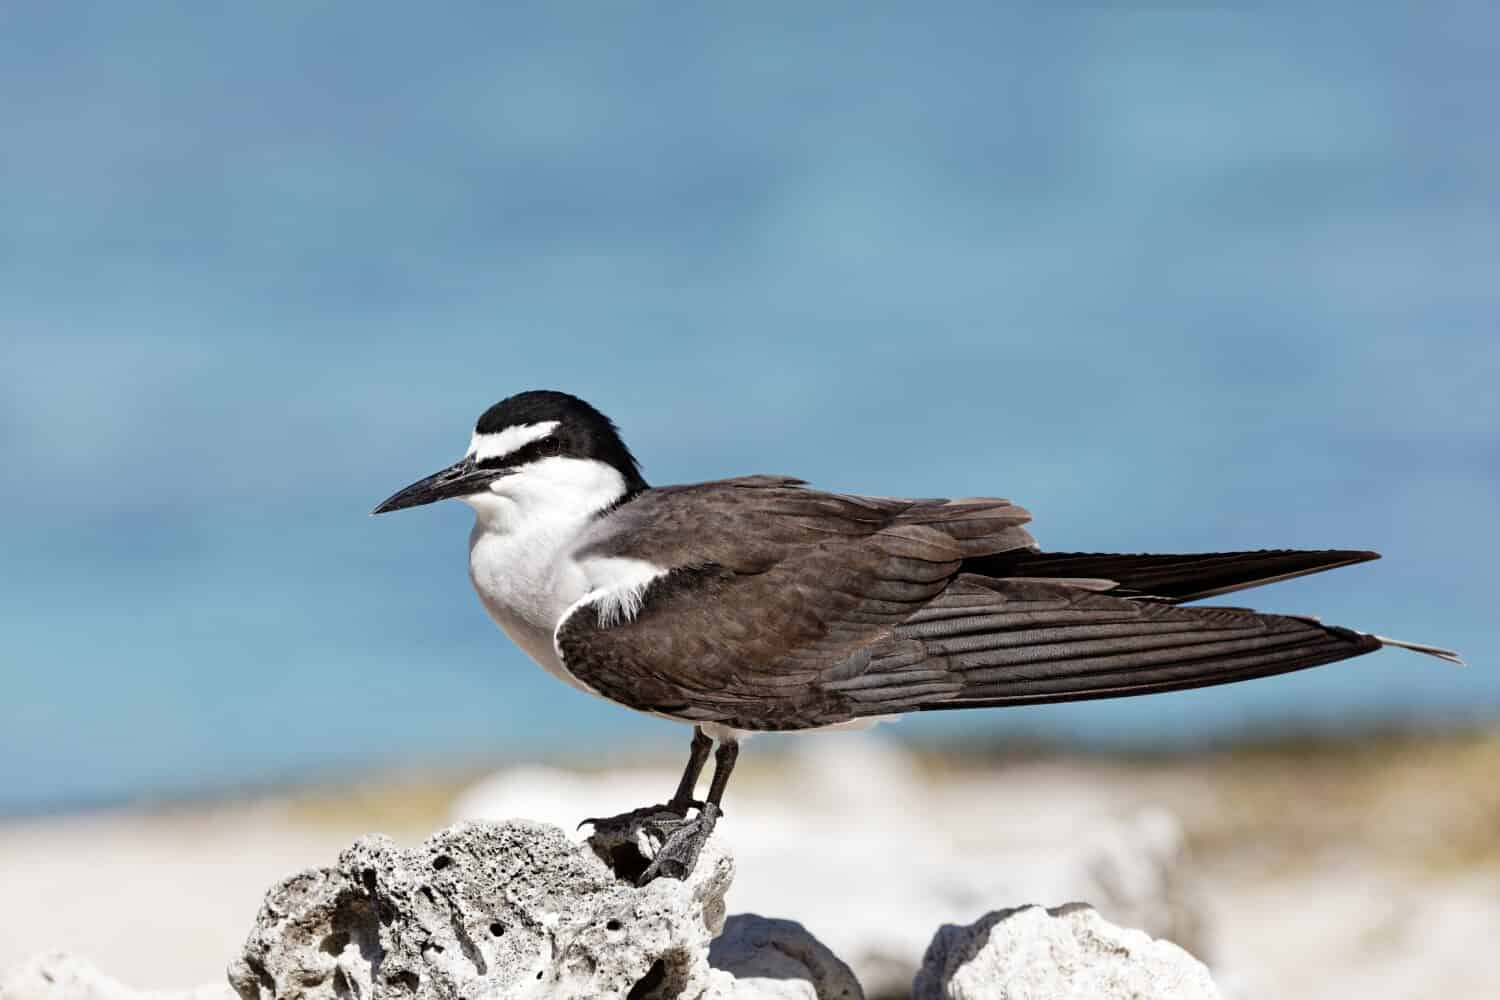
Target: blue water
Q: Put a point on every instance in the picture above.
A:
(1174, 279)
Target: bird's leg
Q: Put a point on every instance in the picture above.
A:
(683, 839)
(643, 833)
(683, 800)
(729, 752)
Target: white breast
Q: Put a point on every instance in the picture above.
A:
(525, 585)
(524, 563)
(522, 558)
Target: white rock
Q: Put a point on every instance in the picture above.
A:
(60, 976)
(776, 960)
(1068, 952)
(516, 910)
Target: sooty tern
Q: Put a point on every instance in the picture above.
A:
(759, 604)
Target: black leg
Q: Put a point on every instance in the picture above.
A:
(697, 757)
(681, 838)
(724, 759)
(683, 841)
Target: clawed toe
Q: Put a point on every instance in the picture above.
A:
(663, 837)
(665, 812)
(645, 844)
(682, 841)
(630, 819)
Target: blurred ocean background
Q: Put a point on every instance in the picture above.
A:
(1175, 278)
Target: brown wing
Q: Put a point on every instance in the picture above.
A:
(752, 523)
(791, 609)
(986, 642)
(770, 583)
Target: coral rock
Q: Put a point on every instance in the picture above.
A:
(518, 910)
(1060, 953)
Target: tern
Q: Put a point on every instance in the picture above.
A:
(760, 604)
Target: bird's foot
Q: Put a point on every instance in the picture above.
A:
(681, 841)
(662, 838)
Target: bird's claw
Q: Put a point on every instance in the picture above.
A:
(636, 816)
(663, 839)
(681, 839)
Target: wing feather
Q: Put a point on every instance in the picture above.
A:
(1175, 578)
(785, 608)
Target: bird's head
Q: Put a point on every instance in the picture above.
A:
(534, 448)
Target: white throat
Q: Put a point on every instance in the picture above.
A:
(521, 548)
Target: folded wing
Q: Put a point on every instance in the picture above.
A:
(780, 608)
(764, 584)
(987, 642)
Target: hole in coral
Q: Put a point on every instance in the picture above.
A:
(613, 925)
(340, 984)
(334, 944)
(356, 918)
(497, 928)
(650, 981)
(627, 862)
(406, 979)
(441, 861)
(368, 878)
(262, 975)
(539, 973)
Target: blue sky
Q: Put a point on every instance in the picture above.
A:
(1174, 279)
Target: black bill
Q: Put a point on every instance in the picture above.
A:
(460, 479)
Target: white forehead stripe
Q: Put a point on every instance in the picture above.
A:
(500, 443)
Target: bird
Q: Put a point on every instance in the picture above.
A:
(761, 604)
